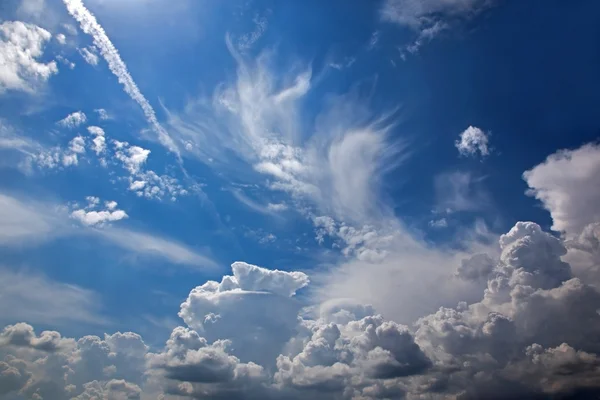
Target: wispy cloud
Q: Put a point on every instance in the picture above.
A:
(33, 297)
(90, 25)
(25, 222)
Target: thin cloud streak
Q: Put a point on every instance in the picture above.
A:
(90, 25)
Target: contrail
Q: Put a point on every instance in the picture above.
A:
(89, 25)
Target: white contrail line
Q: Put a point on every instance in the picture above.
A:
(89, 25)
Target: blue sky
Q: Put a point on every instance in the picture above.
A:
(365, 162)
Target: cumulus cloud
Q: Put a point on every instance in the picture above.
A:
(92, 217)
(73, 120)
(473, 141)
(532, 333)
(21, 46)
(90, 25)
(566, 183)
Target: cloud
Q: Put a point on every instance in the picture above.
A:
(532, 333)
(102, 114)
(27, 222)
(428, 17)
(99, 141)
(30, 296)
(336, 165)
(73, 120)
(89, 55)
(472, 141)
(61, 38)
(148, 245)
(439, 223)
(21, 46)
(116, 65)
(460, 191)
(416, 14)
(91, 217)
(566, 183)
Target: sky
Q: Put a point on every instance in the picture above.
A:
(259, 199)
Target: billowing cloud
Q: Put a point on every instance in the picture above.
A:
(566, 184)
(473, 141)
(247, 337)
(21, 46)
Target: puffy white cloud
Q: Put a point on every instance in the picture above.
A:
(21, 46)
(255, 297)
(99, 141)
(89, 55)
(98, 217)
(566, 183)
(132, 157)
(73, 120)
(472, 141)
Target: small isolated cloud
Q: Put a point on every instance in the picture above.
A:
(438, 223)
(73, 120)
(61, 38)
(90, 216)
(89, 55)
(102, 114)
(473, 141)
(21, 46)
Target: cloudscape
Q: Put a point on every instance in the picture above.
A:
(261, 199)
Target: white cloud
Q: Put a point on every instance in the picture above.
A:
(90, 26)
(89, 55)
(99, 141)
(102, 114)
(77, 145)
(245, 337)
(337, 164)
(24, 222)
(21, 46)
(61, 38)
(30, 296)
(472, 141)
(73, 120)
(277, 206)
(567, 185)
(148, 245)
(132, 157)
(438, 223)
(91, 217)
